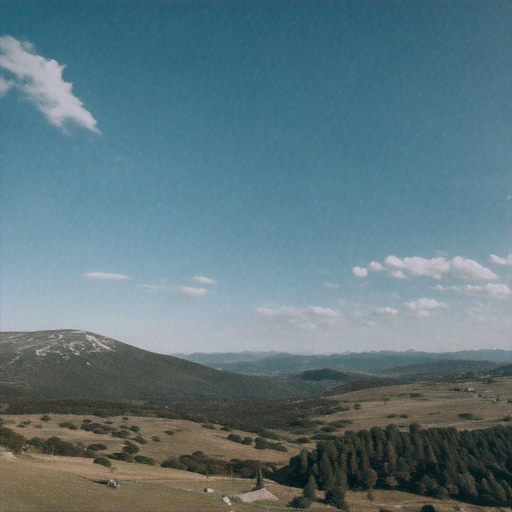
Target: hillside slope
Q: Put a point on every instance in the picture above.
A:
(79, 364)
(283, 363)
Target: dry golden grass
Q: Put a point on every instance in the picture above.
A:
(42, 483)
(188, 437)
(36, 482)
(439, 405)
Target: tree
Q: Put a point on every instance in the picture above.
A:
(336, 498)
(311, 487)
(300, 502)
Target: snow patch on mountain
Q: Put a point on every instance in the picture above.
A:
(64, 343)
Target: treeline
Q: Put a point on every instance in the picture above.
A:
(242, 415)
(472, 466)
(199, 462)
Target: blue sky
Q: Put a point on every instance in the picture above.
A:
(297, 176)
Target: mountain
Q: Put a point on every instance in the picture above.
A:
(283, 363)
(443, 368)
(220, 358)
(78, 364)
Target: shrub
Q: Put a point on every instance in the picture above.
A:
(268, 434)
(302, 440)
(156, 439)
(169, 432)
(341, 423)
(300, 502)
(171, 462)
(466, 416)
(89, 454)
(357, 406)
(36, 441)
(235, 438)
(55, 446)
(324, 437)
(247, 440)
(141, 440)
(123, 434)
(126, 457)
(67, 424)
(10, 439)
(261, 444)
(135, 428)
(103, 461)
(131, 448)
(45, 418)
(97, 446)
(144, 460)
(209, 425)
(336, 498)
(226, 428)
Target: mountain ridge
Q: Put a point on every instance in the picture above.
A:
(70, 363)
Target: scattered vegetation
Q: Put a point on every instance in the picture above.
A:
(198, 462)
(12, 440)
(103, 461)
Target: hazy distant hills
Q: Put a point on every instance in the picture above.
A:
(78, 364)
(375, 362)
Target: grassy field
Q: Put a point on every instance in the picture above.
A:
(37, 482)
(430, 404)
(42, 483)
(188, 437)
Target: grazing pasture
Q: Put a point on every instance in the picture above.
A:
(45, 484)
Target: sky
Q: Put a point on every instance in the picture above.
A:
(307, 177)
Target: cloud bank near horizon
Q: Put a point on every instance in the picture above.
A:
(435, 268)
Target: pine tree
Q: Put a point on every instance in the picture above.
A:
(325, 470)
(311, 487)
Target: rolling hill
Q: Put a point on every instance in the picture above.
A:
(78, 364)
(374, 362)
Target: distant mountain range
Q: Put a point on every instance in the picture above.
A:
(72, 364)
(79, 364)
(283, 363)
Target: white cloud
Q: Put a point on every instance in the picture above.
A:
(156, 287)
(424, 306)
(203, 280)
(385, 311)
(310, 317)
(416, 266)
(103, 276)
(331, 285)
(40, 80)
(375, 266)
(359, 272)
(435, 268)
(189, 291)
(500, 261)
(493, 290)
(5, 85)
(471, 270)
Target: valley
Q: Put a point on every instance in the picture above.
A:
(166, 449)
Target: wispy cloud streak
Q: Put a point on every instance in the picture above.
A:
(40, 80)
